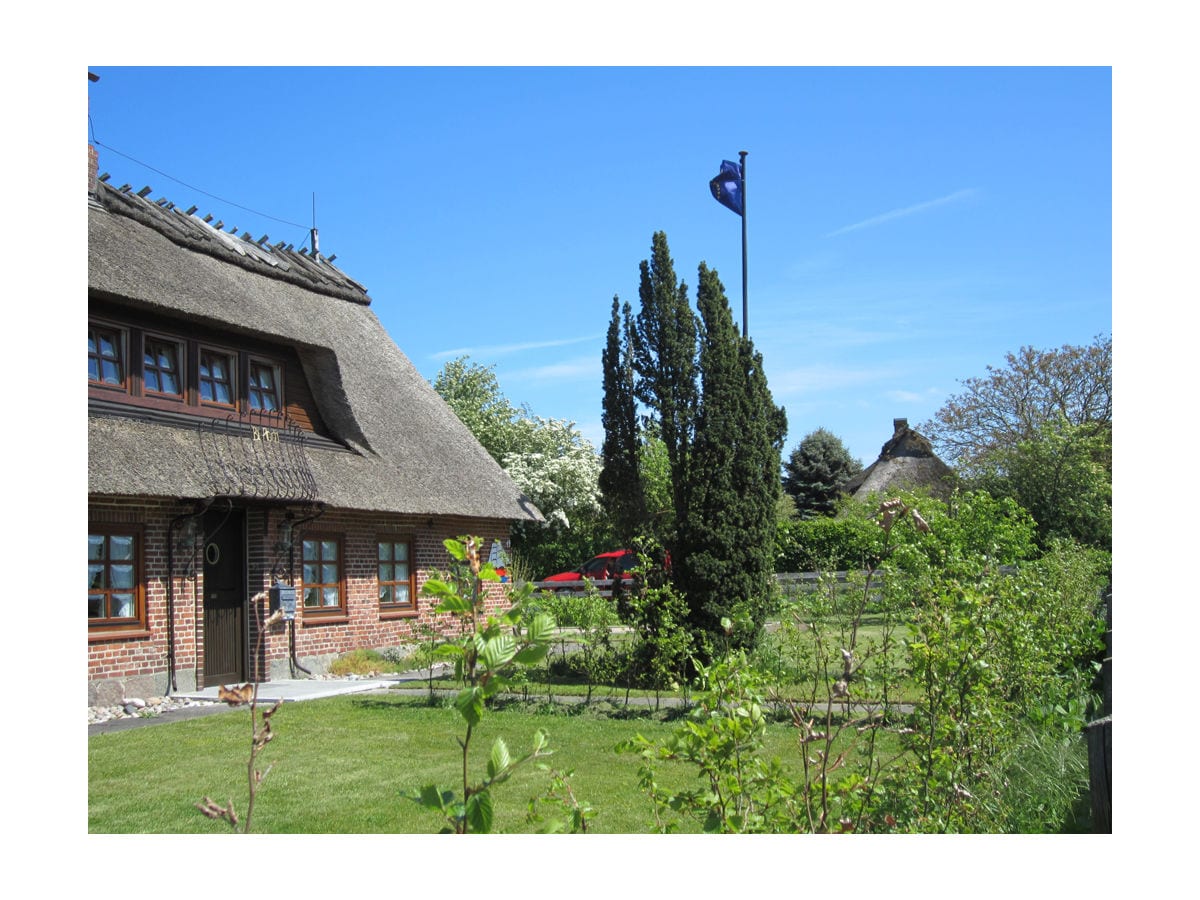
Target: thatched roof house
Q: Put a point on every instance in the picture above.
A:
(251, 424)
(906, 462)
(391, 442)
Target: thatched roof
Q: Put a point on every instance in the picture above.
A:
(393, 444)
(906, 462)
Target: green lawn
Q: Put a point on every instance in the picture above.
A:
(341, 764)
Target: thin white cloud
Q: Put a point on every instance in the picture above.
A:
(806, 380)
(906, 211)
(582, 367)
(505, 349)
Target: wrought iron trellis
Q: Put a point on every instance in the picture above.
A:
(257, 455)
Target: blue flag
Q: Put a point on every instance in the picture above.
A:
(726, 187)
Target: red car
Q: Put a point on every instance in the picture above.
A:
(613, 564)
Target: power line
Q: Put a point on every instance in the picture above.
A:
(194, 188)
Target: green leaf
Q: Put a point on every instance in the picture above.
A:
(499, 760)
(456, 549)
(432, 797)
(469, 703)
(452, 603)
(532, 655)
(498, 651)
(541, 629)
(479, 812)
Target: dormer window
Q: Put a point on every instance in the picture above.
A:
(160, 371)
(264, 386)
(106, 356)
(216, 377)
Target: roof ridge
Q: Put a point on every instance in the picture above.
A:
(184, 228)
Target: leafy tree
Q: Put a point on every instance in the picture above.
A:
(473, 392)
(1040, 432)
(1037, 387)
(815, 471)
(621, 477)
(1063, 476)
(549, 460)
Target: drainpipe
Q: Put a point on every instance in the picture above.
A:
(295, 663)
(175, 523)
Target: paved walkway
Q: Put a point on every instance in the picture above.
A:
(288, 690)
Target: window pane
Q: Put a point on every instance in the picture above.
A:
(401, 552)
(330, 596)
(122, 606)
(311, 597)
(96, 577)
(310, 550)
(386, 572)
(95, 606)
(310, 574)
(95, 546)
(93, 368)
(385, 593)
(402, 593)
(223, 395)
(169, 384)
(120, 546)
(112, 372)
(122, 576)
(329, 574)
(385, 551)
(329, 550)
(401, 571)
(108, 345)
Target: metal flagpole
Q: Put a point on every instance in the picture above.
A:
(745, 304)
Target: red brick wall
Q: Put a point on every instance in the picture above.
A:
(121, 658)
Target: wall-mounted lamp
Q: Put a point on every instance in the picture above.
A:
(284, 543)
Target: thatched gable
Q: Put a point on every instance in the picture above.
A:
(393, 444)
(906, 462)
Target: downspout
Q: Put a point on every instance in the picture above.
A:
(295, 663)
(175, 523)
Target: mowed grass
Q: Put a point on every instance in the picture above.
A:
(340, 766)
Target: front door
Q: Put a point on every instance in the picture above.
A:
(224, 597)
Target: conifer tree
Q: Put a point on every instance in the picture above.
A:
(621, 478)
(728, 538)
(706, 396)
(815, 472)
(664, 360)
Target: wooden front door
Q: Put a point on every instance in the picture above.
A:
(224, 597)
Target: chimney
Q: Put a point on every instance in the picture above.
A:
(899, 426)
(93, 169)
(93, 156)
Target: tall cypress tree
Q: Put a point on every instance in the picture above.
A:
(728, 538)
(707, 398)
(664, 360)
(621, 477)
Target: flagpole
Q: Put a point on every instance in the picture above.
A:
(745, 304)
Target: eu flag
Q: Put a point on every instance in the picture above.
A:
(726, 187)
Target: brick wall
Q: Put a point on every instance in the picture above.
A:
(127, 666)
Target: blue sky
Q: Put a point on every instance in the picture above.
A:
(907, 226)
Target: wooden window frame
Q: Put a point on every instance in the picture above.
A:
(323, 614)
(232, 356)
(181, 368)
(394, 610)
(276, 367)
(103, 628)
(122, 336)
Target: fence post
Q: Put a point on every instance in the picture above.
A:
(1099, 735)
